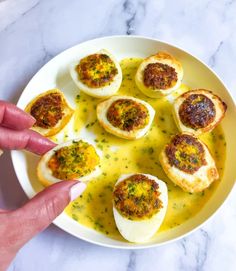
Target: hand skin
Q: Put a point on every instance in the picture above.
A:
(19, 226)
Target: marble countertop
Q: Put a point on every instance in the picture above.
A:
(34, 31)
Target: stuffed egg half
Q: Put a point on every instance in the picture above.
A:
(158, 75)
(125, 116)
(51, 112)
(198, 111)
(72, 160)
(139, 206)
(98, 75)
(188, 163)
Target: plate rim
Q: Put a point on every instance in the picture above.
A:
(133, 246)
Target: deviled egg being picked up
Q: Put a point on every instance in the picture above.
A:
(51, 112)
(72, 160)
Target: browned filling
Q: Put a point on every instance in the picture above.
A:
(159, 76)
(74, 161)
(47, 110)
(128, 115)
(186, 153)
(96, 70)
(137, 197)
(197, 111)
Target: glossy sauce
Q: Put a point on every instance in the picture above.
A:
(94, 208)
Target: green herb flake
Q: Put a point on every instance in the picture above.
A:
(150, 150)
(77, 97)
(100, 146)
(89, 198)
(75, 217)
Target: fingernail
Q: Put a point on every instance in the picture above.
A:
(76, 190)
(33, 119)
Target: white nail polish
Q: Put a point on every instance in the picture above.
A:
(76, 190)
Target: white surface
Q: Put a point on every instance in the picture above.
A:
(55, 74)
(32, 32)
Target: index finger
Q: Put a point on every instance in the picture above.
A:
(13, 117)
(25, 139)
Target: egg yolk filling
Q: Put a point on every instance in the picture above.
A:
(97, 70)
(74, 161)
(159, 76)
(197, 111)
(128, 115)
(137, 197)
(186, 153)
(47, 110)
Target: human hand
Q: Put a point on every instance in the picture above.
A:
(19, 226)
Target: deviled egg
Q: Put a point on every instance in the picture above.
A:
(158, 75)
(125, 116)
(188, 163)
(51, 112)
(139, 206)
(198, 111)
(98, 75)
(72, 160)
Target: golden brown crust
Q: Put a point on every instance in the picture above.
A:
(127, 115)
(138, 132)
(158, 84)
(51, 123)
(47, 110)
(96, 70)
(137, 197)
(186, 153)
(159, 76)
(200, 118)
(191, 182)
(197, 111)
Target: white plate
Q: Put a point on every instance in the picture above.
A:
(196, 74)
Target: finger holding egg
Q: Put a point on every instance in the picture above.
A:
(72, 160)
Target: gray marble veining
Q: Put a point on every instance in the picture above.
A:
(34, 31)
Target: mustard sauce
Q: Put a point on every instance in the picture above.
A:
(93, 209)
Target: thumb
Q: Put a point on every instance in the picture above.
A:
(40, 211)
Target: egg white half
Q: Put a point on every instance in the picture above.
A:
(66, 109)
(45, 174)
(196, 182)
(164, 58)
(101, 92)
(220, 109)
(102, 109)
(139, 231)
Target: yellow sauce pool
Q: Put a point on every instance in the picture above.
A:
(94, 208)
